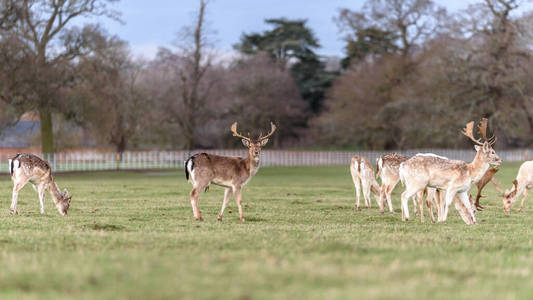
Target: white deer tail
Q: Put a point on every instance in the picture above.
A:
(379, 166)
(402, 175)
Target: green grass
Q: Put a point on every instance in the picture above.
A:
(132, 235)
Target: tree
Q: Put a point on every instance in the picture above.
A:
(189, 65)
(406, 22)
(288, 39)
(108, 98)
(369, 42)
(50, 44)
(292, 43)
(260, 92)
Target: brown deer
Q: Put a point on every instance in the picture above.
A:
(363, 176)
(26, 168)
(233, 173)
(521, 185)
(453, 176)
(488, 177)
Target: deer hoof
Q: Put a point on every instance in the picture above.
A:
(520, 209)
(219, 218)
(199, 219)
(13, 211)
(242, 220)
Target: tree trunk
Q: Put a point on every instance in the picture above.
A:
(47, 134)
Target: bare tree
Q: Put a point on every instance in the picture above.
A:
(50, 45)
(189, 64)
(410, 21)
(110, 101)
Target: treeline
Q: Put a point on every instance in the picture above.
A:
(413, 74)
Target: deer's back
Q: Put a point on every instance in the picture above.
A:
(220, 168)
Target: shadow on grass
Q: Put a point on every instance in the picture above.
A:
(254, 219)
(104, 227)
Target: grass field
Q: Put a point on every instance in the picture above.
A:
(132, 235)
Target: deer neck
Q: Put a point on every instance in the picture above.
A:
(253, 164)
(54, 191)
(478, 167)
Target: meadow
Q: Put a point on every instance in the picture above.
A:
(131, 235)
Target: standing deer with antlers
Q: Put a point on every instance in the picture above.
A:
(521, 185)
(363, 176)
(26, 168)
(233, 173)
(453, 176)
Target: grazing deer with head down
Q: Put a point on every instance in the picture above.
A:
(453, 176)
(26, 168)
(230, 172)
(363, 176)
(521, 185)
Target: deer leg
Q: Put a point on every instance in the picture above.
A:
(430, 200)
(523, 199)
(415, 210)
(194, 203)
(40, 191)
(420, 197)
(466, 202)
(388, 193)
(366, 193)
(17, 186)
(238, 198)
(357, 185)
(441, 195)
(227, 193)
(408, 193)
(447, 202)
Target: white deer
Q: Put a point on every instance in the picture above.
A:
(521, 185)
(26, 168)
(363, 176)
(453, 176)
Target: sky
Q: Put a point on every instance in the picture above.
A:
(152, 24)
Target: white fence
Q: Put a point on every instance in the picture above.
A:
(143, 160)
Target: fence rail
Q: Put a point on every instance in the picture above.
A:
(138, 160)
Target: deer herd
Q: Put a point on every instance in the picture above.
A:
(440, 180)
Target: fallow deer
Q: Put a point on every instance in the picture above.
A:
(435, 196)
(233, 173)
(453, 176)
(488, 177)
(363, 176)
(387, 170)
(521, 185)
(26, 168)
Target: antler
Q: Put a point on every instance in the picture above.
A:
(469, 132)
(272, 129)
(235, 133)
(482, 128)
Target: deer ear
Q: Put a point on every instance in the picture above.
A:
(246, 143)
(264, 142)
(477, 147)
